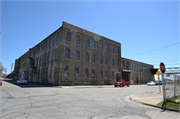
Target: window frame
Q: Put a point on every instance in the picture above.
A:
(78, 39)
(68, 36)
(77, 55)
(86, 73)
(67, 53)
(87, 42)
(76, 73)
(93, 58)
(87, 57)
(66, 71)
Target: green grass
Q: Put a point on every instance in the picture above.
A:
(170, 105)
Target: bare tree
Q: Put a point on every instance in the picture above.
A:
(1, 68)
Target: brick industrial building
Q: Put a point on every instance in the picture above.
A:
(74, 56)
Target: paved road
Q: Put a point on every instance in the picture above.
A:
(39, 102)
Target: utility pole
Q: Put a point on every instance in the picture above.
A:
(11, 67)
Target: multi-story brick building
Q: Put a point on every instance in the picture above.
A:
(73, 56)
(136, 72)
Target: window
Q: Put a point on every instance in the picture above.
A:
(87, 57)
(43, 58)
(67, 53)
(47, 72)
(101, 59)
(86, 73)
(117, 62)
(112, 49)
(106, 48)
(44, 73)
(40, 60)
(93, 73)
(54, 39)
(87, 42)
(106, 60)
(76, 72)
(48, 56)
(117, 51)
(47, 43)
(66, 71)
(93, 58)
(44, 45)
(52, 54)
(123, 64)
(106, 74)
(77, 39)
(56, 54)
(101, 46)
(101, 74)
(77, 55)
(58, 37)
(54, 72)
(93, 43)
(68, 38)
(50, 73)
(112, 62)
(112, 75)
(50, 41)
(127, 65)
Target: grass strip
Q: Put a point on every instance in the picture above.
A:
(170, 105)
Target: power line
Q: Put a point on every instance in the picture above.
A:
(155, 49)
(6, 59)
(3, 11)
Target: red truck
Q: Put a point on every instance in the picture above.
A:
(121, 83)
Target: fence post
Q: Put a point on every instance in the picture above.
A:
(164, 91)
(174, 86)
(179, 92)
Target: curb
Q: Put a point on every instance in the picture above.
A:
(84, 86)
(170, 109)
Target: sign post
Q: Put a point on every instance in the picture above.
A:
(163, 69)
(159, 73)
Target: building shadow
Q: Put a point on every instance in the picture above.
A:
(29, 85)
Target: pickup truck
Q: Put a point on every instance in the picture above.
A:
(121, 83)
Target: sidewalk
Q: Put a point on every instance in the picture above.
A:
(151, 99)
(87, 86)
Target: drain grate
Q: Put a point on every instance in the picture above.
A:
(26, 92)
(2, 90)
(10, 97)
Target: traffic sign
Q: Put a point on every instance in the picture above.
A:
(162, 67)
(158, 73)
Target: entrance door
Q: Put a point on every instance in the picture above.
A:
(136, 80)
(117, 76)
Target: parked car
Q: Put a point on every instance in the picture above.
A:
(22, 81)
(151, 83)
(121, 83)
(0, 82)
(159, 83)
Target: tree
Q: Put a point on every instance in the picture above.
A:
(1, 68)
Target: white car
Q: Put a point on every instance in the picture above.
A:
(22, 81)
(151, 83)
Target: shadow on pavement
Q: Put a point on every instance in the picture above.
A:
(29, 85)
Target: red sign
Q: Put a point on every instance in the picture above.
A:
(162, 67)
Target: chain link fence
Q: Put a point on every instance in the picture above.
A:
(172, 89)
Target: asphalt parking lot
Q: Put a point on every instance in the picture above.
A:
(34, 101)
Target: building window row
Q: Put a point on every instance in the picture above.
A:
(47, 43)
(46, 57)
(77, 57)
(66, 73)
(68, 38)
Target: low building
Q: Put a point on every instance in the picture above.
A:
(75, 56)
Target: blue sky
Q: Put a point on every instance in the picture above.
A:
(140, 26)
